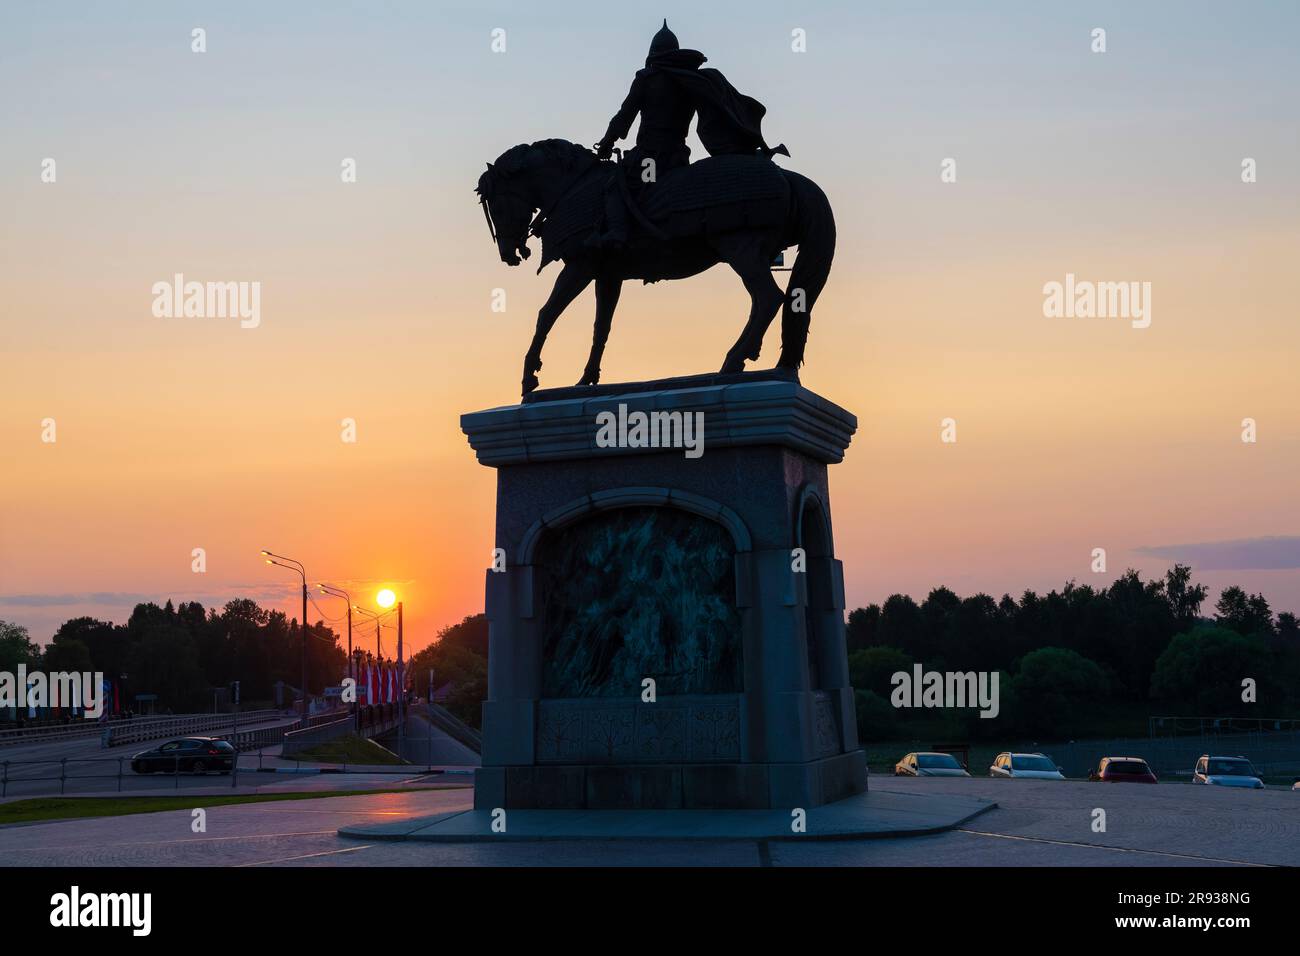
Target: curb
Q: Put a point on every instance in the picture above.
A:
(361, 833)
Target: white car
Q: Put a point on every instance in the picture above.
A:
(929, 765)
(1227, 772)
(1025, 767)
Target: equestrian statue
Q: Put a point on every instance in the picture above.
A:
(654, 215)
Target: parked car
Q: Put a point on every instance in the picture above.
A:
(929, 765)
(1025, 767)
(1227, 772)
(187, 755)
(1123, 770)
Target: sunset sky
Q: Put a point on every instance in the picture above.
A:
(1073, 434)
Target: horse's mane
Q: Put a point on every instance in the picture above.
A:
(527, 156)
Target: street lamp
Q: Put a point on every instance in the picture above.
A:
(278, 560)
(339, 592)
(386, 598)
(378, 619)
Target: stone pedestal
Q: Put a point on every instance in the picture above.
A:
(703, 577)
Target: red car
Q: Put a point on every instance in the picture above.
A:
(1122, 770)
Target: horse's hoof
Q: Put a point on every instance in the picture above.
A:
(589, 378)
(530, 383)
(731, 366)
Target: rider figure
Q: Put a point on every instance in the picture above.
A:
(667, 93)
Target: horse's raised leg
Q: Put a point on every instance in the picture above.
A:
(607, 292)
(745, 256)
(573, 278)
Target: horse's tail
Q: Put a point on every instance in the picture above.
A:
(813, 229)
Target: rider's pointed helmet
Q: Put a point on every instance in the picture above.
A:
(665, 41)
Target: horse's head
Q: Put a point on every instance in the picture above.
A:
(508, 212)
(512, 188)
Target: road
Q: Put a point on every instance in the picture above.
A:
(426, 744)
(1038, 823)
(34, 768)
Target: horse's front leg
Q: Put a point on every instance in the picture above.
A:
(568, 285)
(607, 292)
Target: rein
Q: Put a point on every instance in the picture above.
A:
(543, 214)
(534, 226)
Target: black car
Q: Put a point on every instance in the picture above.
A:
(187, 755)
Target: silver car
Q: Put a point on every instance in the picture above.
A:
(929, 765)
(1227, 772)
(1025, 767)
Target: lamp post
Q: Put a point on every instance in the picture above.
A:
(278, 560)
(378, 625)
(386, 598)
(376, 618)
(339, 592)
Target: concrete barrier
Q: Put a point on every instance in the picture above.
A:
(296, 741)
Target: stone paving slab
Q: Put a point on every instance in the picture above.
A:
(867, 815)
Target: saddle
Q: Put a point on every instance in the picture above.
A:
(715, 195)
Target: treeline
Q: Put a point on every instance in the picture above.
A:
(1070, 660)
(1074, 662)
(458, 657)
(181, 653)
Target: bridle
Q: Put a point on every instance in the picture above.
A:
(491, 224)
(542, 214)
(492, 229)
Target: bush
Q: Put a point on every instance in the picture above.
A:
(872, 668)
(1202, 671)
(1058, 693)
(876, 718)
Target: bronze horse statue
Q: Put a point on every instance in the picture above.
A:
(739, 209)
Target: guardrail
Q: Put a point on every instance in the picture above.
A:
(134, 729)
(454, 727)
(297, 741)
(126, 732)
(372, 721)
(1220, 726)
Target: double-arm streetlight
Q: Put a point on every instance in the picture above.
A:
(377, 618)
(281, 561)
(339, 592)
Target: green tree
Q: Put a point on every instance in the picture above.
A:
(1057, 692)
(1202, 671)
(872, 669)
(17, 648)
(458, 657)
(902, 626)
(863, 627)
(877, 720)
(109, 646)
(67, 655)
(1245, 614)
(165, 662)
(1184, 597)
